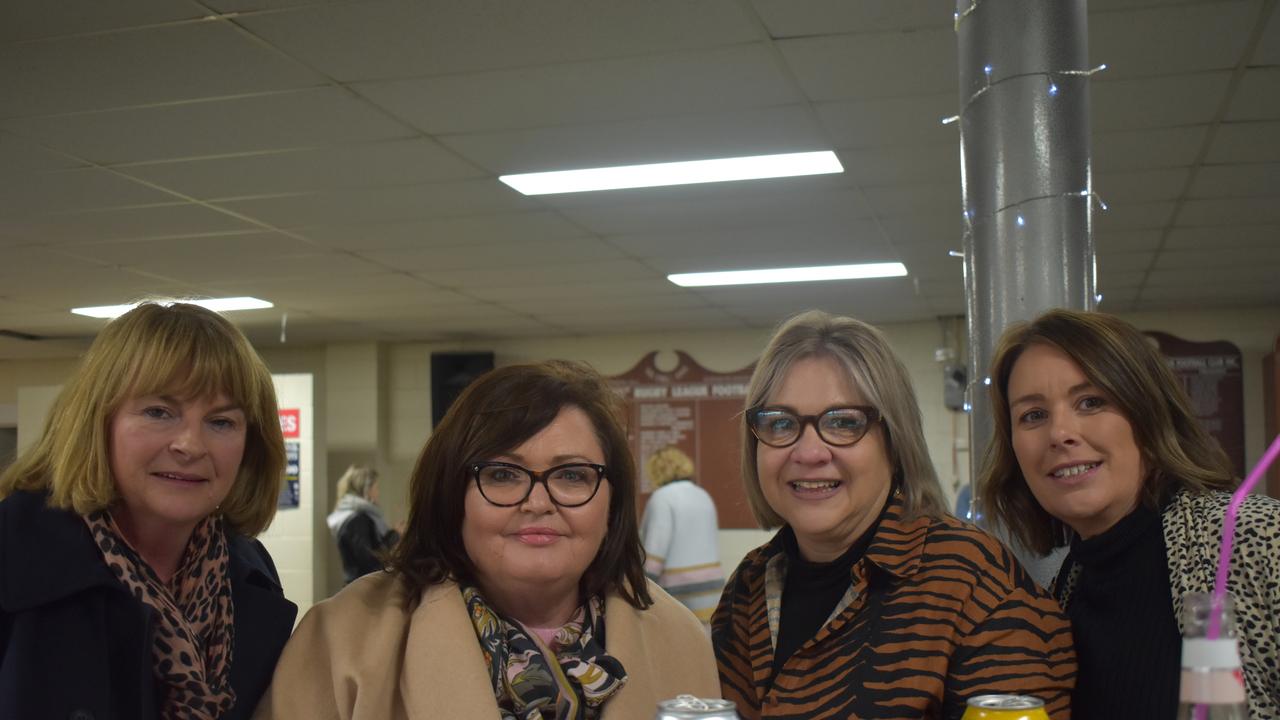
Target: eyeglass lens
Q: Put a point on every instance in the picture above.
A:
(838, 426)
(509, 485)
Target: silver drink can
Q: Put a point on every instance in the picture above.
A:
(688, 707)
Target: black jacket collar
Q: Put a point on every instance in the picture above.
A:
(47, 554)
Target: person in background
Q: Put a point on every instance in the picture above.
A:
(872, 600)
(681, 534)
(358, 525)
(1095, 446)
(518, 590)
(130, 585)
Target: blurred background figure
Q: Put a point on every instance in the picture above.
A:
(357, 523)
(518, 591)
(680, 534)
(130, 582)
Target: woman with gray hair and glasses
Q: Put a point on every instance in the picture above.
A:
(871, 600)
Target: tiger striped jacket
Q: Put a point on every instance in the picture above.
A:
(937, 611)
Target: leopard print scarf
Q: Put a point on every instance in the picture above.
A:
(191, 651)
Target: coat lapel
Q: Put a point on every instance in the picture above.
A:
(444, 673)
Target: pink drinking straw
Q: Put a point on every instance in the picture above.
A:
(1229, 536)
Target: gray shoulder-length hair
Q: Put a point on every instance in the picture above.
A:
(878, 375)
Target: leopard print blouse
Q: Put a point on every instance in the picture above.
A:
(1193, 537)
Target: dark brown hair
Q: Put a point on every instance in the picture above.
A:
(496, 413)
(1119, 360)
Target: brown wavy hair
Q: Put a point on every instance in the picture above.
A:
(499, 411)
(182, 350)
(1120, 361)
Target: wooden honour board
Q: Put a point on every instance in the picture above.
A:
(700, 412)
(1212, 374)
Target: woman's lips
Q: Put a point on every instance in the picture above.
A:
(178, 477)
(814, 489)
(537, 536)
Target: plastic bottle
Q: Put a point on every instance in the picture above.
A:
(1212, 685)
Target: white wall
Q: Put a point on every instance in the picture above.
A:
(291, 539)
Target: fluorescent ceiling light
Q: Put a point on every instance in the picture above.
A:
(215, 304)
(796, 274)
(676, 173)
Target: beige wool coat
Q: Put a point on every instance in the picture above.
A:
(361, 656)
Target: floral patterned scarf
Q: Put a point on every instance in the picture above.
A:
(191, 651)
(569, 680)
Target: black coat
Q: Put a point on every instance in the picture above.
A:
(75, 644)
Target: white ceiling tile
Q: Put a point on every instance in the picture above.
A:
(922, 62)
(716, 209)
(589, 283)
(1120, 188)
(510, 227)
(453, 312)
(1133, 216)
(500, 255)
(1174, 39)
(1219, 281)
(925, 228)
(24, 194)
(1217, 257)
(793, 18)
(416, 38)
(1145, 149)
(265, 246)
(1151, 102)
(214, 265)
(263, 122)
(33, 20)
(397, 162)
(1246, 142)
(301, 291)
(1225, 237)
(124, 224)
(788, 128)
(1128, 240)
(370, 205)
(737, 77)
(931, 198)
(1123, 262)
(910, 164)
(645, 320)
(575, 273)
(1230, 211)
(21, 154)
(153, 65)
(917, 120)
(752, 239)
(1237, 180)
(561, 306)
(1269, 49)
(1258, 97)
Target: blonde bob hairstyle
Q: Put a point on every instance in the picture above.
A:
(667, 465)
(879, 376)
(180, 350)
(1125, 366)
(357, 480)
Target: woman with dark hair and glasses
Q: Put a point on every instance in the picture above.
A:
(518, 589)
(871, 601)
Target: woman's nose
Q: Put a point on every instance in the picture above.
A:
(1063, 429)
(539, 500)
(189, 439)
(810, 447)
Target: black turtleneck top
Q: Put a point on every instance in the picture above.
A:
(1121, 611)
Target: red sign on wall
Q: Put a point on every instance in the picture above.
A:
(290, 422)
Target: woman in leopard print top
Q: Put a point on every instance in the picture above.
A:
(129, 585)
(1095, 445)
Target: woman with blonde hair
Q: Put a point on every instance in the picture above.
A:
(130, 585)
(358, 525)
(681, 534)
(871, 601)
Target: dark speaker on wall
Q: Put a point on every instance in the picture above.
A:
(451, 373)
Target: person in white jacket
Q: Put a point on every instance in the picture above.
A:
(680, 534)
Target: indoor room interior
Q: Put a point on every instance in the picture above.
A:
(340, 159)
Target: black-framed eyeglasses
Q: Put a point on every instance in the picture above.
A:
(839, 426)
(506, 484)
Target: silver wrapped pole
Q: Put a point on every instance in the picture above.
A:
(1025, 175)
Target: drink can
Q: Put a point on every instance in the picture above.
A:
(688, 707)
(1005, 707)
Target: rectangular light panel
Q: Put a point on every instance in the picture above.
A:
(784, 275)
(215, 304)
(676, 173)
